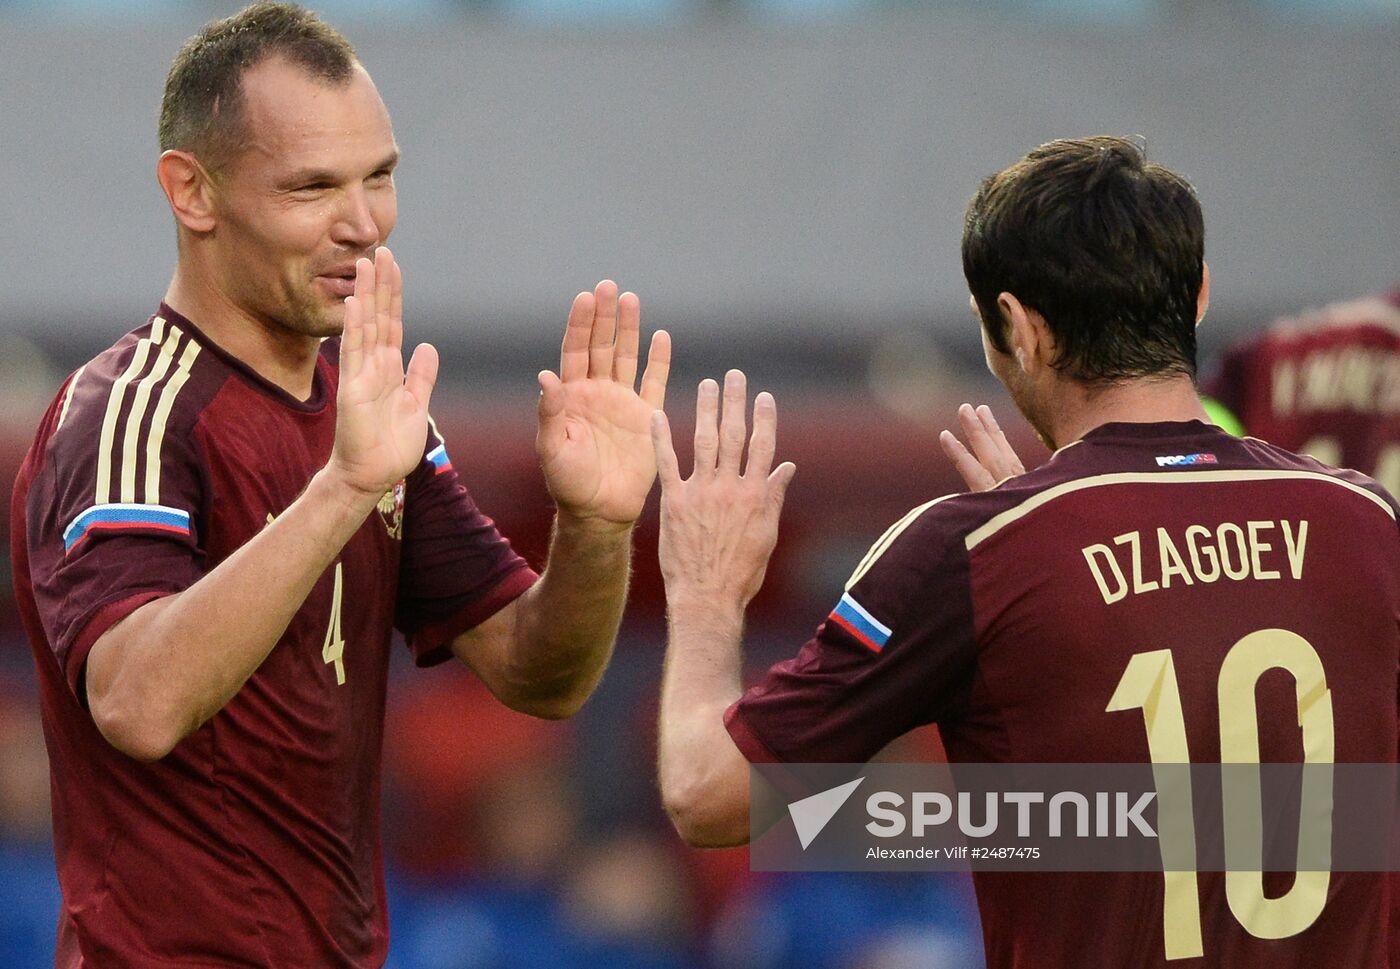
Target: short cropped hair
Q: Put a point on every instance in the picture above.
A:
(1104, 245)
(202, 111)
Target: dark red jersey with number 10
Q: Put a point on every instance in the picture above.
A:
(256, 841)
(1218, 589)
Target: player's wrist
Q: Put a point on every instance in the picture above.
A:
(592, 526)
(334, 488)
(697, 605)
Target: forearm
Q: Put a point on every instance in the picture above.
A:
(567, 622)
(156, 676)
(703, 776)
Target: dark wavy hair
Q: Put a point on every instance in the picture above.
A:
(1105, 245)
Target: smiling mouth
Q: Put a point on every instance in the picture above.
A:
(340, 285)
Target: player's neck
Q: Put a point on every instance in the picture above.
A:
(278, 355)
(1141, 401)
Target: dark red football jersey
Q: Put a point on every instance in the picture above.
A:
(1036, 622)
(256, 841)
(1327, 385)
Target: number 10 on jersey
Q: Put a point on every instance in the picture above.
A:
(1149, 684)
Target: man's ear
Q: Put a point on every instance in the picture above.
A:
(1032, 343)
(1203, 297)
(189, 190)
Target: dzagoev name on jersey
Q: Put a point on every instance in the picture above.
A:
(1139, 562)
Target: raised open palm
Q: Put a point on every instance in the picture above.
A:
(381, 409)
(594, 438)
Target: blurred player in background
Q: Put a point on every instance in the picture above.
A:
(1326, 384)
(224, 516)
(1157, 591)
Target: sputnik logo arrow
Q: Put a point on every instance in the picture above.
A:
(811, 814)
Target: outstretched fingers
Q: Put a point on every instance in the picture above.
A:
(552, 425)
(600, 340)
(629, 339)
(778, 483)
(667, 467)
(979, 442)
(731, 425)
(352, 339)
(764, 440)
(396, 309)
(706, 427)
(1010, 462)
(366, 297)
(573, 355)
(976, 477)
(987, 442)
(658, 370)
(384, 275)
(422, 373)
(987, 458)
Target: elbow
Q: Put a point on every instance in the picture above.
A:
(558, 698)
(131, 708)
(122, 724)
(560, 707)
(706, 819)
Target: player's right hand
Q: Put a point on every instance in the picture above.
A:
(381, 422)
(720, 525)
(991, 458)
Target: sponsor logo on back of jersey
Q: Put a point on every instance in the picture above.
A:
(1183, 460)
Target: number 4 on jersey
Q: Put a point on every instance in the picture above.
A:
(333, 649)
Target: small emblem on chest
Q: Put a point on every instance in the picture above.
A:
(391, 510)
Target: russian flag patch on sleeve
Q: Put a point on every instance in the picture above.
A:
(852, 617)
(125, 517)
(437, 457)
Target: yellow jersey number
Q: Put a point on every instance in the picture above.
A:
(1149, 684)
(333, 649)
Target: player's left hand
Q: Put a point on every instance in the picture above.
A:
(594, 438)
(720, 525)
(990, 459)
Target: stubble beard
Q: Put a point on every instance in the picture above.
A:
(1021, 396)
(310, 316)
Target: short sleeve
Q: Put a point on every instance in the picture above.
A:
(456, 569)
(896, 652)
(113, 516)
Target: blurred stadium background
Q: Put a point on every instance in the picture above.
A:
(783, 183)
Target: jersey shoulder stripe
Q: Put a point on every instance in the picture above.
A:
(887, 539)
(136, 408)
(118, 415)
(68, 394)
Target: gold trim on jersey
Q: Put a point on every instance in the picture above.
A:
(127, 458)
(161, 417)
(138, 413)
(68, 397)
(998, 522)
(883, 543)
(114, 407)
